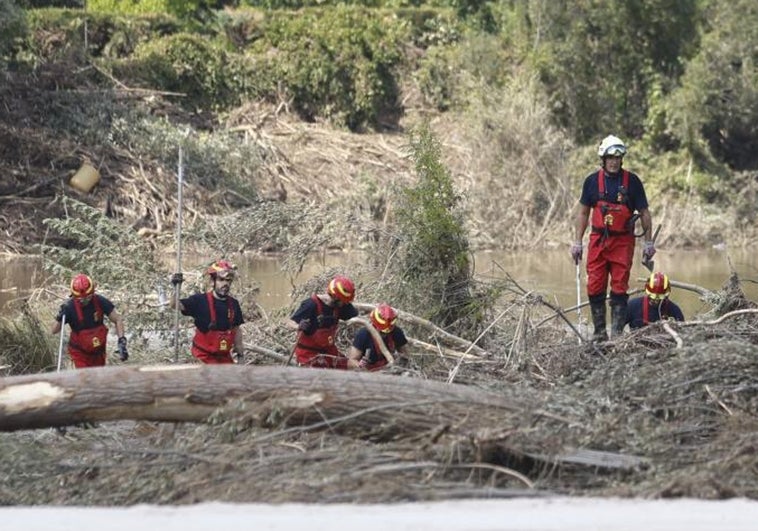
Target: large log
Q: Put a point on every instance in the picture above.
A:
(371, 406)
(190, 393)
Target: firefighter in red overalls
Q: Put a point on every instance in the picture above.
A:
(85, 312)
(612, 198)
(655, 305)
(217, 316)
(317, 322)
(365, 352)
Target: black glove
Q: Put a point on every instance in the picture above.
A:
(177, 279)
(61, 312)
(304, 326)
(123, 354)
(326, 321)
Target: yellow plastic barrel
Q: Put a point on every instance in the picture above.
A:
(85, 178)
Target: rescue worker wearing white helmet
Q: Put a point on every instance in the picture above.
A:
(654, 305)
(612, 199)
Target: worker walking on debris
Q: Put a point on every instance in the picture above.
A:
(85, 312)
(655, 305)
(611, 201)
(365, 353)
(217, 316)
(317, 322)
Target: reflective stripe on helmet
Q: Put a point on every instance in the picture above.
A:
(658, 286)
(383, 318)
(82, 286)
(341, 288)
(223, 269)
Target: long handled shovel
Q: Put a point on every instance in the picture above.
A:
(178, 287)
(60, 345)
(579, 301)
(61, 429)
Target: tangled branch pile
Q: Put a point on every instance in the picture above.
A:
(635, 417)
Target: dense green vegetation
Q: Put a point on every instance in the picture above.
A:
(668, 75)
(531, 86)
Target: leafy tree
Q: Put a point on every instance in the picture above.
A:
(716, 108)
(601, 59)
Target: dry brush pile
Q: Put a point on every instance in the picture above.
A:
(531, 413)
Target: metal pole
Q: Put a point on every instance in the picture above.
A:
(579, 300)
(60, 345)
(177, 287)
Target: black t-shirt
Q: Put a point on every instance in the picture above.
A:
(196, 306)
(309, 310)
(88, 313)
(667, 309)
(364, 342)
(636, 198)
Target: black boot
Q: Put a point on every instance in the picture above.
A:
(598, 320)
(618, 319)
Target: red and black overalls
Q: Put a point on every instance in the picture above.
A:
(611, 248)
(381, 361)
(215, 346)
(318, 349)
(87, 345)
(660, 313)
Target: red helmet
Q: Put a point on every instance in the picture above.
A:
(82, 286)
(383, 318)
(657, 286)
(342, 289)
(222, 269)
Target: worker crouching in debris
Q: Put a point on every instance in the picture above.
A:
(365, 352)
(317, 323)
(655, 305)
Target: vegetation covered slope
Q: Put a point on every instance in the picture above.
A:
(293, 103)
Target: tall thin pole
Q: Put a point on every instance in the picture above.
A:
(177, 287)
(579, 300)
(60, 345)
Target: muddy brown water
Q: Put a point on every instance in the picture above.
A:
(549, 273)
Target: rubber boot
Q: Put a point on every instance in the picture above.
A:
(618, 319)
(598, 320)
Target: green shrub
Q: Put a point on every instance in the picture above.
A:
(178, 8)
(599, 60)
(26, 346)
(12, 28)
(55, 34)
(339, 65)
(431, 255)
(193, 65)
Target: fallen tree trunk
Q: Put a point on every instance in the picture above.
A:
(190, 393)
(369, 406)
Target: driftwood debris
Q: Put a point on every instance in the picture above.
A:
(452, 340)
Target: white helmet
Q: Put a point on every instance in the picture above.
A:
(611, 146)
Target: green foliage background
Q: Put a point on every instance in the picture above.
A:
(531, 85)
